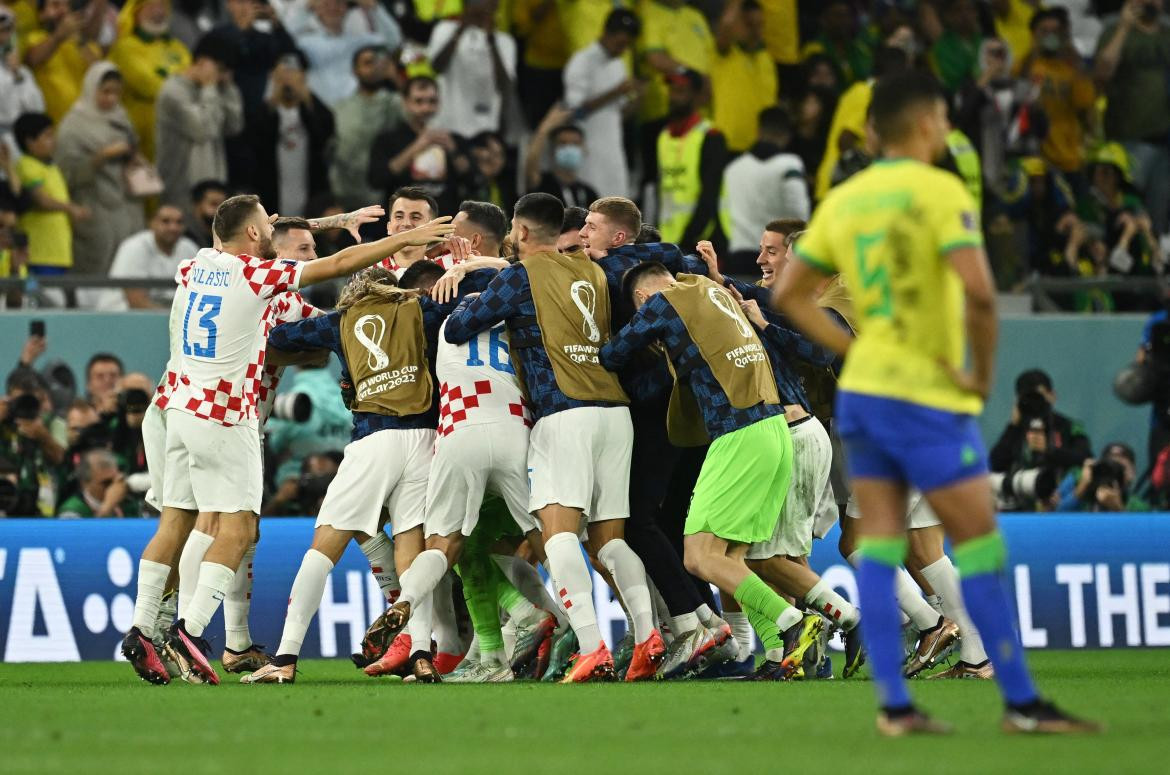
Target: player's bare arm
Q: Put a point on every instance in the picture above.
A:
(982, 328)
(358, 257)
(795, 295)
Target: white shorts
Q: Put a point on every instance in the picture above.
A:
(812, 455)
(920, 513)
(154, 443)
(580, 458)
(211, 467)
(469, 461)
(388, 467)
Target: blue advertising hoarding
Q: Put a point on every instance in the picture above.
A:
(67, 586)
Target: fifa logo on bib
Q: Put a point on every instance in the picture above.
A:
(378, 359)
(584, 296)
(727, 305)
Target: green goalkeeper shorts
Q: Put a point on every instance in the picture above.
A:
(743, 483)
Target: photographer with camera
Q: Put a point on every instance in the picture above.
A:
(125, 425)
(103, 491)
(1103, 484)
(1064, 444)
(302, 495)
(32, 440)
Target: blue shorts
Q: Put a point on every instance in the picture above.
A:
(904, 442)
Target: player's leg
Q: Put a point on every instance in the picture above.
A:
(240, 653)
(379, 552)
(303, 602)
(198, 542)
(927, 555)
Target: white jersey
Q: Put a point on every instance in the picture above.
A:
(226, 317)
(477, 383)
(288, 307)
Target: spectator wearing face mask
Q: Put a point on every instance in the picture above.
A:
(102, 490)
(146, 55)
(1066, 92)
(562, 179)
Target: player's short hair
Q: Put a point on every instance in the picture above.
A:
(201, 189)
(621, 211)
(786, 226)
(489, 218)
(421, 274)
(543, 212)
(792, 238)
(97, 358)
(623, 20)
(416, 194)
(574, 219)
(894, 99)
(28, 127)
(648, 234)
(233, 214)
(286, 224)
(417, 81)
(775, 121)
(639, 273)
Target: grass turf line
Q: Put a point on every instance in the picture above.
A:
(96, 717)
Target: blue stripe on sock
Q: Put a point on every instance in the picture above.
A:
(882, 631)
(992, 614)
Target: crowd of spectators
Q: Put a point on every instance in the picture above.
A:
(716, 115)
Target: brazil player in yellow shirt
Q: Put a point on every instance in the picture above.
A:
(906, 237)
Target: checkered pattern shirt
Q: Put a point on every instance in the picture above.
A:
(656, 321)
(289, 307)
(324, 333)
(226, 316)
(508, 298)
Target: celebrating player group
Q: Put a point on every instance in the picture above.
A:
(564, 391)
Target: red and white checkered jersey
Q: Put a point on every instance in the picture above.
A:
(288, 307)
(226, 317)
(446, 261)
(170, 378)
(477, 383)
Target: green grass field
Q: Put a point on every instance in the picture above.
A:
(96, 717)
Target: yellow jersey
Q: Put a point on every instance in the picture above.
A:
(888, 231)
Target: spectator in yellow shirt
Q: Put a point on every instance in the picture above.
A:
(743, 75)
(675, 36)
(60, 51)
(540, 24)
(146, 55)
(47, 222)
(1067, 94)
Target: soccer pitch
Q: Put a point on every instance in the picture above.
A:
(96, 717)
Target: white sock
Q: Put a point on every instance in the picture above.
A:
(166, 613)
(685, 623)
(945, 580)
(422, 615)
(524, 612)
(527, 581)
(197, 545)
(237, 603)
(304, 600)
(152, 582)
(214, 582)
(424, 575)
(909, 598)
(473, 648)
(379, 551)
(837, 609)
(791, 617)
(497, 658)
(706, 615)
(575, 587)
(630, 575)
(447, 640)
(935, 602)
(741, 630)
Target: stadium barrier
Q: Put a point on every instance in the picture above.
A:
(67, 586)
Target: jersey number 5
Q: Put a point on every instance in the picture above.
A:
(874, 278)
(209, 305)
(498, 351)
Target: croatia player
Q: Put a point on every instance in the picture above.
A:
(213, 446)
(906, 237)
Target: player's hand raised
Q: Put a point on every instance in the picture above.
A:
(429, 232)
(353, 221)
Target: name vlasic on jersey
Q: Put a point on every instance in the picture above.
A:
(477, 383)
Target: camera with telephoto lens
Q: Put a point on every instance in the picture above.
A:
(1105, 473)
(1033, 405)
(1020, 488)
(25, 407)
(296, 407)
